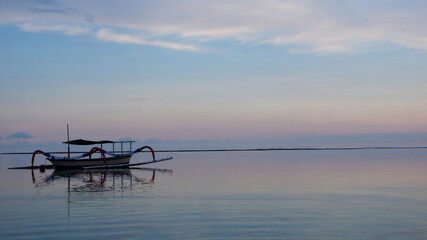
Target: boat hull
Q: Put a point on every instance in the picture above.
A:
(78, 163)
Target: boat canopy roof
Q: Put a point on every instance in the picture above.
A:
(89, 142)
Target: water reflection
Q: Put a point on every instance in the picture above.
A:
(81, 185)
(99, 180)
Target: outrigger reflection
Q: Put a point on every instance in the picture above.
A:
(107, 159)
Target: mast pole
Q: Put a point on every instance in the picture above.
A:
(68, 137)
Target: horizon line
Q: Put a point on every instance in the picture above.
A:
(252, 149)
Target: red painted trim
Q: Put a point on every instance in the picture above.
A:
(34, 154)
(97, 149)
(152, 151)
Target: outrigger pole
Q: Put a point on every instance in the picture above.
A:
(68, 138)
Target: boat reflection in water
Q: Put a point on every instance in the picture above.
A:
(99, 180)
(99, 185)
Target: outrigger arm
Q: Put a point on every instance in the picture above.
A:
(141, 148)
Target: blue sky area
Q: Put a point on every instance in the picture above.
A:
(265, 71)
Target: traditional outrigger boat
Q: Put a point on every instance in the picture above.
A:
(107, 159)
(112, 158)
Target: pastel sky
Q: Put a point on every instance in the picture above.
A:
(195, 69)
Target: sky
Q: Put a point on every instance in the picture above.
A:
(213, 70)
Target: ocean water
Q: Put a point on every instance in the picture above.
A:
(353, 194)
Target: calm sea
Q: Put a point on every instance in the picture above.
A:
(353, 194)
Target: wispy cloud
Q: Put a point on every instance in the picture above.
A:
(67, 29)
(108, 35)
(52, 10)
(19, 135)
(309, 26)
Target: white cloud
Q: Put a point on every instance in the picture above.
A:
(321, 27)
(107, 35)
(67, 29)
